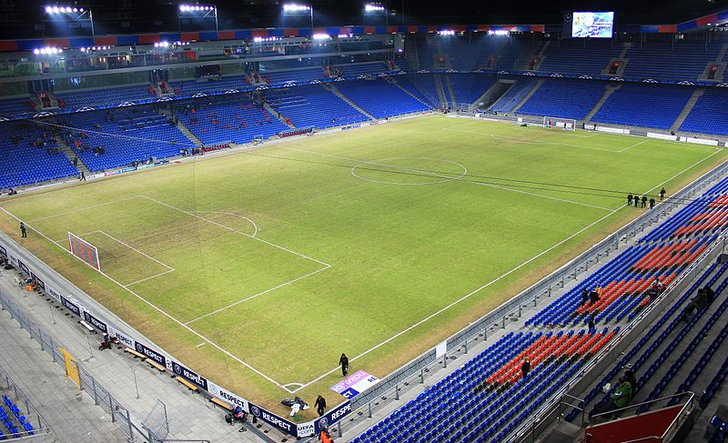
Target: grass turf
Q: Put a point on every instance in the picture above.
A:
(379, 242)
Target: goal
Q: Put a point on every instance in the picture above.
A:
(84, 250)
(568, 124)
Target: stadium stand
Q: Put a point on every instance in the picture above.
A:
(709, 115)
(405, 83)
(298, 105)
(468, 87)
(303, 75)
(14, 421)
(237, 121)
(670, 60)
(644, 105)
(564, 99)
(358, 69)
(152, 134)
(211, 85)
(513, 96)
(488, 397)
(105, 96)
(31, 155)
(380, 98)
(14, 106)
(426, 84)
(579, 56)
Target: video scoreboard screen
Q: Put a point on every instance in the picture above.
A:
(592, 24)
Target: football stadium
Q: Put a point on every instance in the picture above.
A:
(256, 221)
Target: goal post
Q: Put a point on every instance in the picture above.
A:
(84, 250)
(568, 124)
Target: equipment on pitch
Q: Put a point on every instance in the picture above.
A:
(84, 250)
(568, 124)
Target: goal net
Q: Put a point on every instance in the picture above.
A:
(84, 250)
(568, 124)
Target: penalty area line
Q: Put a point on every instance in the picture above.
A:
(157, 308)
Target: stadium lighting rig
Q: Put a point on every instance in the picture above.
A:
(298, 9)
(71, 14)
(197, 11)
(374, 8)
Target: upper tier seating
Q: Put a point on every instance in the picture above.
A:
(650, 106)
(126, 136)
(710, 113)
(349, 70)
(189, 87)
(380, 98)
(15, 106)
(304, 75)
(238, 122)
(579, 56)
(660, 60)
(22, 163)
(468, 87)
(106, 96)
(313, 105)
(564, 99)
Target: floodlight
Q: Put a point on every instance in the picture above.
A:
(48, 9)
(374, 7)
(294, 7)
(321, 36)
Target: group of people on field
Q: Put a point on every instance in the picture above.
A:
(642, 202)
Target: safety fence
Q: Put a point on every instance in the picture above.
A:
(40, 430)
(85, 381)
(427, 365)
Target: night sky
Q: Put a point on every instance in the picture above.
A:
(25, 19)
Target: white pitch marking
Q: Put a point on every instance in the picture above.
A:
(256, 295)
(255, 226)
(458, 178)
(150, 277)
(475, 291)
(227, 228)
(81, 209)
(158, 309)
(633, 145)
(138, 251)
(200, 345)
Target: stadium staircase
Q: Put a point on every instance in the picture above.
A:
(529, 95)
(687, 109)
(451, 92)
(278, 115)
(440, 90)
(338, 93)
(182, 128)
(420, 98)
(492, 95)
(609, 90)
(70, 155)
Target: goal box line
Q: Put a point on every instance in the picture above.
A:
(84, 250)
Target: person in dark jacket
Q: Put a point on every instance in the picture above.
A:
(320, 405)
(344, 362)
(525, 367)
(629, 200)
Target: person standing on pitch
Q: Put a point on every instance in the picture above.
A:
(662, 193)
(629, 200)
(23, 231)
(344, 362)
(320, 405)
(644, 201)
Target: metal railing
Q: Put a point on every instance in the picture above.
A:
(40, 426)
(417, 370)
(671, 428)
(100, 395)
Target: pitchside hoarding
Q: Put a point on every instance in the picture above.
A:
(357, 382)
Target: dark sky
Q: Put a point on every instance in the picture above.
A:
(25, 19)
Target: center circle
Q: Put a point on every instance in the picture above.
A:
(408, 171)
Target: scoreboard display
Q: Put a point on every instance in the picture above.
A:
(592, 24)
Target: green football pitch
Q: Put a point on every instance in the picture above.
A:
(258, 268)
